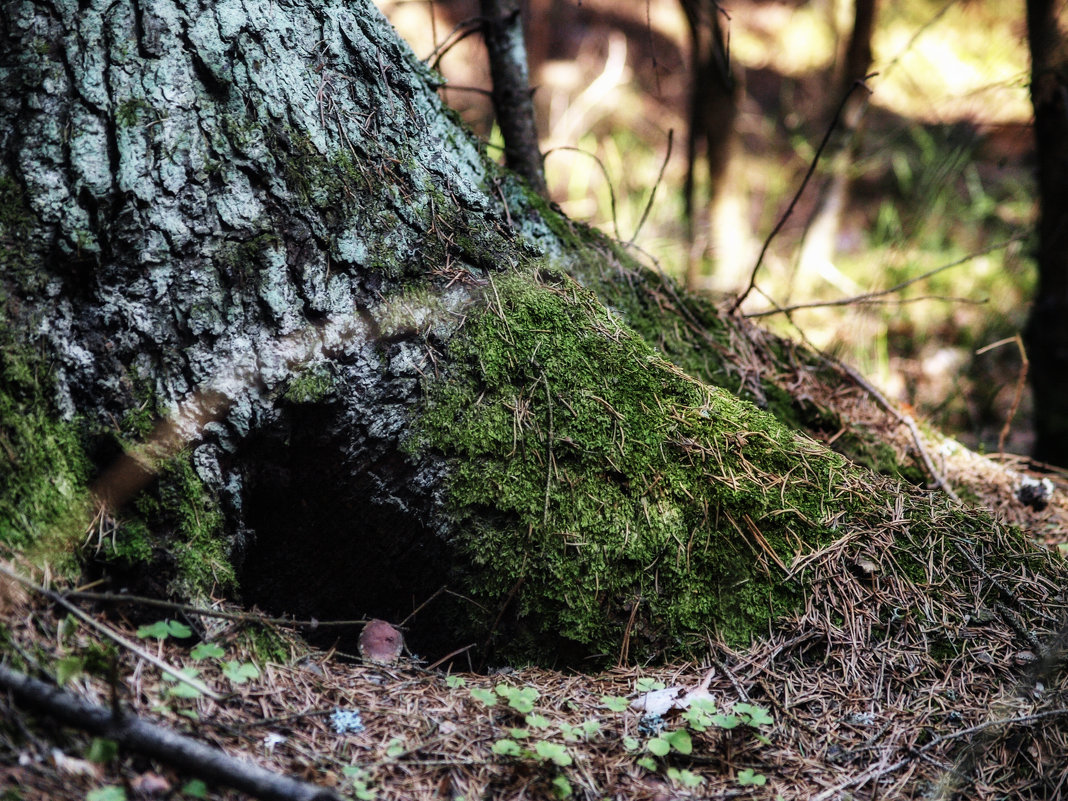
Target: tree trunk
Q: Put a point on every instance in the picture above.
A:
(1047, 330)
(386, 369)
(502, 27)
(846, 110)
(713, 107)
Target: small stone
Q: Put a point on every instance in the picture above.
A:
(865, 568)
(150, 783)
(347, 721)
(1034, 493)
(1025, 658)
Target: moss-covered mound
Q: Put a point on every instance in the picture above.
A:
(607, 499)
(611, 506)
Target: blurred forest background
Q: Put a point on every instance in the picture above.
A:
(940, 169)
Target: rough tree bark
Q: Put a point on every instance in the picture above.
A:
(385, 366)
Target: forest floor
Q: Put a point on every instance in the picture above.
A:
(837, 701)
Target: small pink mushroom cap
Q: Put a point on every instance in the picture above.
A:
(380, 643)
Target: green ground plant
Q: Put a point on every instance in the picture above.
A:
(537, 740)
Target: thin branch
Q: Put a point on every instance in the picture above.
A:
(869, 297)
(879, 302)
(502, 31)
(548, 451)
(876, 773)
(184, 753)
(896, 60)
(1021, 383)
(604, 172)
(868, 387)
(990, 724)
(249, 617)
(917, 437)
(659, 177)
(472, 24)
(449, 656)
(738, 688)
(624, 650)
(797, 196)
(422, 606)
(114, 636)
(476, 89)
(1006, 593)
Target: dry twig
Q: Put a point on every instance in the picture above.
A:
(160, 743)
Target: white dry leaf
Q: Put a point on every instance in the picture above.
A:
(72, 766)
(700, 692)
(150, 783)
(660, 702)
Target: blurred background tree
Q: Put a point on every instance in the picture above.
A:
(944, 172)
(1047, 328)
(712, 112)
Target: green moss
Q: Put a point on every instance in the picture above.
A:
(591, 474)
(311, 386)
(176, 513)
(44, 506)
(140, 420)
(691, 332)
(130, 111)
(241, 261)
(243, 132)
(391, 194)
(866, 450)
(15, 218)
(132, 544)
(202, 554)
(327, 184)
(264, 644)
(181, 514)
(16, 221)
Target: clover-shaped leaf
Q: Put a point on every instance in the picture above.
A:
(162, 629)
(552, 752)
(206, 650)
(684, 777)
(750, 777)
(506, 748)
(520, 699)
(240, 672)
(753, 715)
(485, 696)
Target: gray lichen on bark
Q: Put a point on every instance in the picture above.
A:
(185, 150)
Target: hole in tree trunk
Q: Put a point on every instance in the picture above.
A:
(334, 537)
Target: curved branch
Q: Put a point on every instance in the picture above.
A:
(797, 196)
